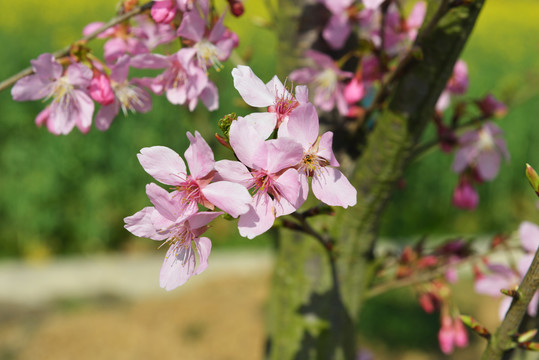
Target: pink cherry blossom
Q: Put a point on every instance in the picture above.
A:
(121, 40)
(162, 223)
(167, 167)
(329, 184)
(327, 80)
(274, 95)
(71, 104)
(210, 49)
(182, 81)
(266, 168)
(128, 95)
(151, 34)
(482, 150)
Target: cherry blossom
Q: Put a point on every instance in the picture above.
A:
(327, 80)
(266, 168)
(329, 184)
(71, 104)
(212, 49)
(274, 95)
(128, 95)
(167, 167)
(182, 81)
(482, 150)
(162, 222)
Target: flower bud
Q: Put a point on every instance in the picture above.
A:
(354, 91)
(163, 11)
(490, 106)
(465, 196)
(100, 89)
(236, 7)
(533, 178)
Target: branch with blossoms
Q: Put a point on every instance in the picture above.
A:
(277, 152)
(74, 78)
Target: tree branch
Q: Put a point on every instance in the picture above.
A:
(502, 340)
(65, 51)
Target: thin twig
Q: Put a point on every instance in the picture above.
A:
(503, 340)
(65, 51)
(428, 275)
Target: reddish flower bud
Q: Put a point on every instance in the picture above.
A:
(489, 106)
(354, 91)
(163, 11)
(236, 7)
(100, 89)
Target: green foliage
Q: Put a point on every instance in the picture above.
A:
(70, 193)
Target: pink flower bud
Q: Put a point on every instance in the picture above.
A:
(354, 91)
(426, 302)
(490, 106)
(465, 196)
(163, 11)
(460, 334)
(445, 335)
(100, 89)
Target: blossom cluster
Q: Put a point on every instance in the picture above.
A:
(76, 81)
(386, 31)
(496, 276)
(277, 152)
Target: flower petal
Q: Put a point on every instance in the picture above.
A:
(199, 156)
(232, 198)
(164, 164)
(251, 88)
(333, 188)
(203, 246)
(174, 271)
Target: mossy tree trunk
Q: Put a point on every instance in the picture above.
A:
(316, 297)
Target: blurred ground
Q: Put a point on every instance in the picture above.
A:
(111, 307)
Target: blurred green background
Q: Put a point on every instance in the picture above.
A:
(69, 194)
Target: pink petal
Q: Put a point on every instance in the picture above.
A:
(149, 61)
(47, 68)
(199, 156)
(302, 125)
(488, 164)
(140, 224)
(331, 187)
(532, 306)
(325, 148)
(529, 236)
(232, 198)
(174, 272)
(251, 88)
(217, 31)
(79, 75)
(28, 88)
(85, 110)
(199, 220)
(203, 246)
(372, 4)
(289, 186)
(279, 154)
(233, 171)
(264, 123)
(245, 140)
(337, 31)
(210, 97)
(106, 114)
(302, 94)
(417, 15)
(259, 218)
(192, 26)
(164, 164)
(163, 201)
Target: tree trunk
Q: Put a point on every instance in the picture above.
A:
(316, 297)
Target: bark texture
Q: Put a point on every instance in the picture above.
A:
(316, 297)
